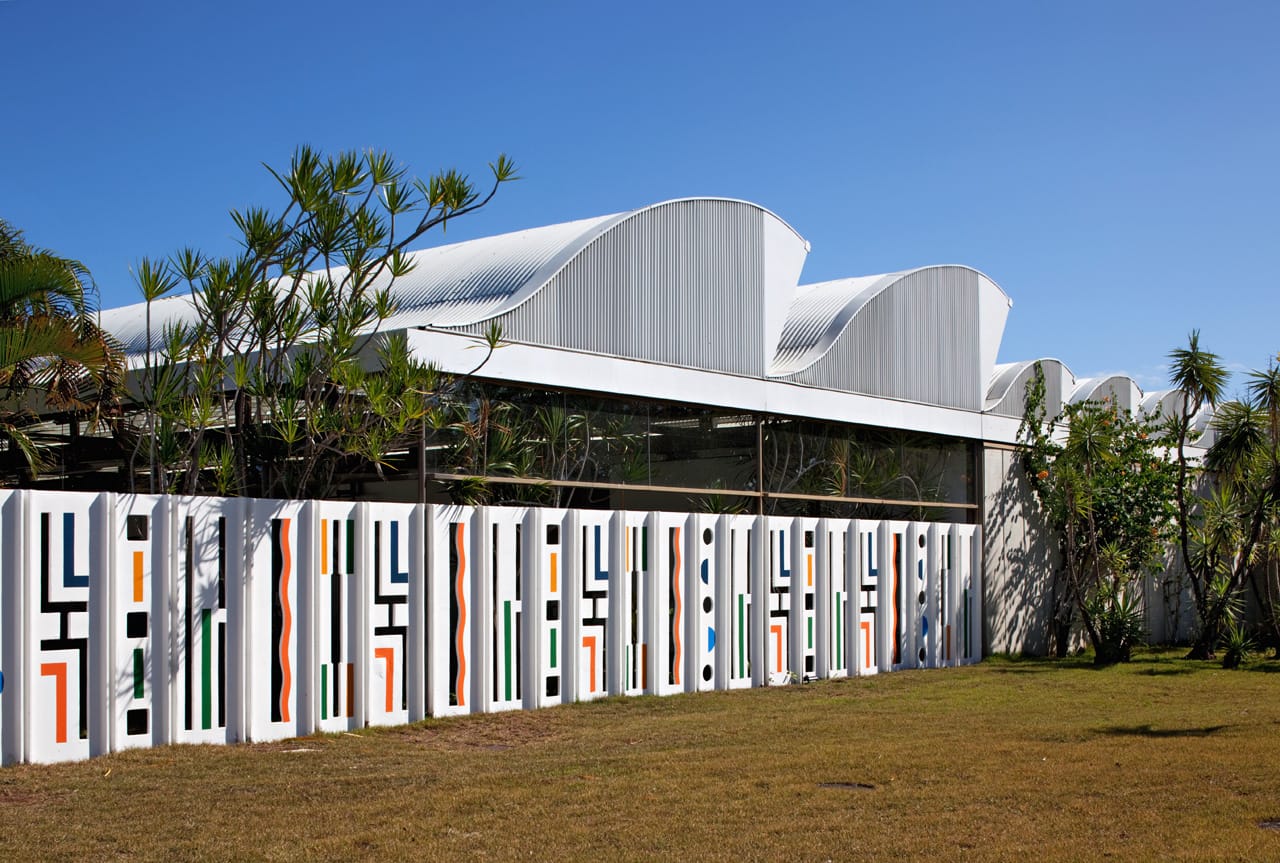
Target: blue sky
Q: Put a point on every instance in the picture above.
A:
(1112, 165)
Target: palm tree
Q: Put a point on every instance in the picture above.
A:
(52, 353)
(1202, 378)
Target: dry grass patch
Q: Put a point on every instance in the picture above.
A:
(1010, 760)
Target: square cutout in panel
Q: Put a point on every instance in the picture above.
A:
(135, 528)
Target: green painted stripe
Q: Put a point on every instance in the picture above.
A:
(553, 647)
(626, 668)
(839, 629)
(810, 633)
(506, 629)
(742, 636)
(324, 691)
(206, 668)
(139, 673)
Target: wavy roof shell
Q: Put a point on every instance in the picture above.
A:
(1007, 392)
(929, 334)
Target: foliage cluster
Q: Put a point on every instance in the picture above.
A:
(53, 356)
(1107, 486)
(1229, 506)
(282, 380)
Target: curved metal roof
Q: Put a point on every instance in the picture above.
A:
(822, 311)
(818, 316)
(1006, 375)
(1123, 388)
(450, 286)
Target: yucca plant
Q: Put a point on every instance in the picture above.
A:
(1237, 644)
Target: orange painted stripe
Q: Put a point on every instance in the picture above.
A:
(553, 572)
(351, 689)
(324, 546)
(808, 560)
(388, 655)
(675, 582)
(58, 671)
(866, 637)
(287, 685)
(589, 642)
(776, 629)
(459, 685)
(137, 576)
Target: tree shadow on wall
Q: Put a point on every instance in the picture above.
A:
(1018, 546)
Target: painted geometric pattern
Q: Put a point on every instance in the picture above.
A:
(631, 586)
(804, 655)
(593, 606)
(133, 672)
(59, 547)
(780, 602)
(451, 609)
(867, 534)
(207, 572)
(836, 606)
(703, 592)
(337, 620)
(149, 620)
(737, 608)
(394, 564)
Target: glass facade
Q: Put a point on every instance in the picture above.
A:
(505, 444)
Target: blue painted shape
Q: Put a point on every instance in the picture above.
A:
(601, 574)
(706, 572)
(397, 577)
(711, 639)
(783, 572)
(69, 577)
(1, 682)
(924, 626)
(920, 569)
(871, 554)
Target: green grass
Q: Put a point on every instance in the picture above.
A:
(1161, 759)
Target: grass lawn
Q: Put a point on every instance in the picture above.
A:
(1161, 759)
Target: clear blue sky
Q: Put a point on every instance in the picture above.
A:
(1112, 165)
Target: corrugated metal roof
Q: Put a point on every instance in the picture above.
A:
(817, 317)
(1006, 394)
(450, 285)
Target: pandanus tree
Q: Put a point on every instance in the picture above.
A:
(285, 380)
(53, 356)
